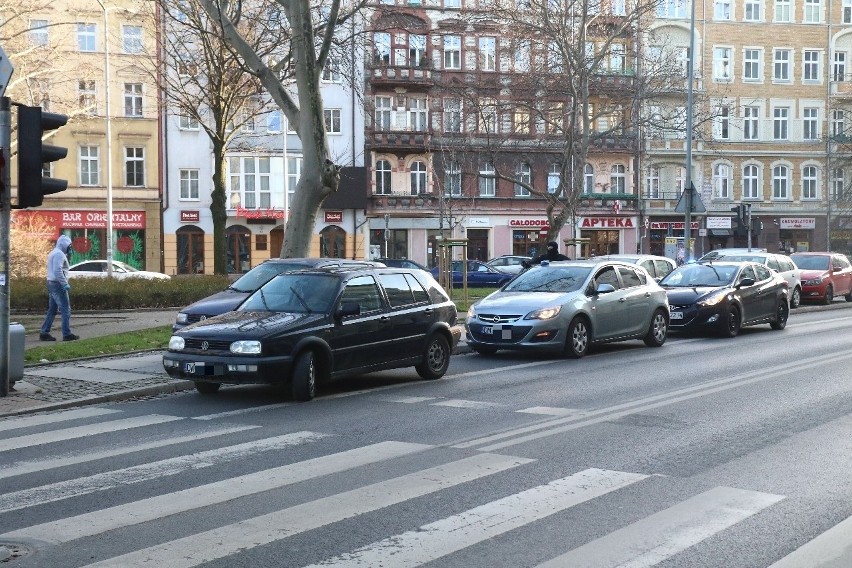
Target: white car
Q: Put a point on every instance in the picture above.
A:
(120, 270)
(513, 264)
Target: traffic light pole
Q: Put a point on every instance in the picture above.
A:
(5, 222)
(748, 216)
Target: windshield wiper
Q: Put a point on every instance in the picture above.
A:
(301, 299)
(263, 299)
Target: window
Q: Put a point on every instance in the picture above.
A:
(452, 179)
(89, 166)
(838, 122)
(813, 11)
(617, 57)
(722, 181)
(273, 121)
(133, 99)
(673, 9)
(554, 178)
(652, 183)
(780, 123)
(86, 37)
(331, 118)
(522, 56)
(249, 177)
(838, 72)
(751, 182)
(418, 178)
(722, 10)
(383, 177)
(838, 182)
(588, 179)
(382, 47)
(619, 7)
(186, 67)
(452, 52)
(134, 166)
(809, 182)
(780, 182)
(847, 11)
(487, 119)
(87, 98)
(723, 123)
(810, 123)
(383, 113)
(753, 10)
(751, 65)
(782, 10)
(131, 39)
(39, 32)
(781, 65)
(618, 179)
(452, 115)
(417, 120)
(722, 63)
(417, 49)
(187, 121)
(189, 184)
(294, 172)
(331, 71)
(521, 120)
(487, 180)
(248, 121)
(811, 66)
(523, 175)
(487, 53)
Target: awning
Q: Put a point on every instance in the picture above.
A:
(720, 232)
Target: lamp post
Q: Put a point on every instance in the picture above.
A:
(108, 168)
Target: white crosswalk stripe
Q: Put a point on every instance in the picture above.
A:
(54, 417)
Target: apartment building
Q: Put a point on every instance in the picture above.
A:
(61, 51)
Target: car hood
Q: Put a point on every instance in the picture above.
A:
(522, 302)
(249, 324)
(218, 303)
(813, 274)
(685, 296)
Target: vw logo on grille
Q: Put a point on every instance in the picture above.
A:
(204, 346)
(202, 318)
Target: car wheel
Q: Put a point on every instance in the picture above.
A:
(484, 350)
(733, 322)
(303, 383)
(577, 342)
(436, 359)
(207, 388)
(829, 295)
(848, 297)
(781, 315)
(796, 298)
(658, 330)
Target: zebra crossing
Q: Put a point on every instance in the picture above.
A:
(138, 499)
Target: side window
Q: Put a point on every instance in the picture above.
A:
(606, 276)
(762, 273)
(420, 295)
(773, 263)
(663, 268)
(836, 263)
(747, 272)
(397, 290)
(649, 266)
(844, 262)
(362, 289)
(786, 264)
(629, 277)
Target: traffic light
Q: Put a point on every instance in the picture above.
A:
(33, 185)
(740, 220)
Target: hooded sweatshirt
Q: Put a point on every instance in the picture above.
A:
(57, 261)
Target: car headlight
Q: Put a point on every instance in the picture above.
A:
(181, 318)
(471, 312)
(814, 281)
(713, 299)
(544, 313)
(246, 347)
(176, 343)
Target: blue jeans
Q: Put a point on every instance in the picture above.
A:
(57, 301)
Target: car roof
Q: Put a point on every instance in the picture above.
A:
(312, 261)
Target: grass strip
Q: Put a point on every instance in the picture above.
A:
(141, 340)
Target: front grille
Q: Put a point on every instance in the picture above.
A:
(211, 345)
(487, 319)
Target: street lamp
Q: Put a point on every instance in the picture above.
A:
(108, 139)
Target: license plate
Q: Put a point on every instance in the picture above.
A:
(487, 330)
(193, 368)
(676, 315)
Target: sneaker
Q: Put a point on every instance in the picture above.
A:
(71, 337)
(46, 337)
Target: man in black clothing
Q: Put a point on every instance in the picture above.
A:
(552, 253)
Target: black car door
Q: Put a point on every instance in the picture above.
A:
(750, 296)
(359, 341)
(410, 314)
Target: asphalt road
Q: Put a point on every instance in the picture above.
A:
(703, 453)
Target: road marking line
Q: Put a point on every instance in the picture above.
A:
(438, 539)
(242, 411)
(245, 535)
(831, 549)
(662, 535)
(554, 411)
(52, 418)
(459, 403)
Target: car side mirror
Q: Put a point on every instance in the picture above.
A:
(348, 308)
(746, 282)
(604, 288)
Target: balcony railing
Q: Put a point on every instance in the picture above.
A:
(398, 139)
(408, 75)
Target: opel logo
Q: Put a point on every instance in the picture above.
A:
(495, 319)
(204, 345)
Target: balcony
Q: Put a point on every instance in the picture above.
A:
(381, 75)
(842, 89)
(628, 203)
(398, 140)
(618, 83)
(617, 143)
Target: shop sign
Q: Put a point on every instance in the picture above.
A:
(664, 225)
(718, 222)
(477, 222)
(78, 219)
(531, 223)
(190, 216)
(607, 223)
(334, 216)
(798, 223)
(266, 213)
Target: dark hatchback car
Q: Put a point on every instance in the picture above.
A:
(310, 326)
(402, 263)
(724, 297)
(232, 296)
(479, 274)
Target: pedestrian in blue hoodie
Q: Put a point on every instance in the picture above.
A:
(57, 291)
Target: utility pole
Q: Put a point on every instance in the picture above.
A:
(5, 222)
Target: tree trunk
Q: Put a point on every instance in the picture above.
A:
(218, 209)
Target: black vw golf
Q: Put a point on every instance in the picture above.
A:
(309, 326)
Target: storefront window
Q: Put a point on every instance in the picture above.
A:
(238, 249)
(477, 244)
(396, 245)
(333, 242)
(190, 249)
(600, 242)
(525, 243)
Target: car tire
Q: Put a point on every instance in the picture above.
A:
(829, 295)
(848, 297)
(578, 338)
(484, 350)
(796, 298)
(658, 330)
(733, 322)
(436, 358)
(303, 382)
(207, 388)
(782, 313)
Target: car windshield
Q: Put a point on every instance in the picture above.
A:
(690, 275)
(261, 274)
(550, 279)
(124, 267)
(810, 262)
(295, 292)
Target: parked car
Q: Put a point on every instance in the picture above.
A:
(401, 263)
(824, 275)
(513, 264)
(479, 274)
(120, 270)
(780, 263)
(656, 266)
(566, 306)
(309, 326)
(232, 296)
(723, 297)
(716, 253)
